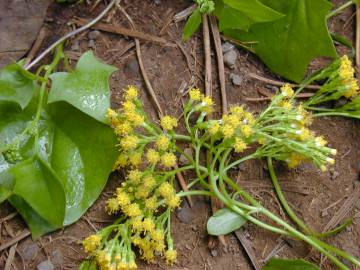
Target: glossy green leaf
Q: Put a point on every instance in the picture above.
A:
(289, 44)
(14, 87)
(242, 14)
(86, 88)
(64, 159)
(224, 221)
(192, 24)
(282, 264)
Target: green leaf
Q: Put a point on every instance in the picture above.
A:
(86, 88)
(88, 265)
(64, 159)
(14, 87)
(242, 14)
(282, 264)
(192, 24)
(288, 45)
(224, 221)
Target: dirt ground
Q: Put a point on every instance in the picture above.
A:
(315, 196)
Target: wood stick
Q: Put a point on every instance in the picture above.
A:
(10, 258)
(182, 15)
(248, 248)
(25, 233)
(220, 62)
(125, 32)
(279, 83)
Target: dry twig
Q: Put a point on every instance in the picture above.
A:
(10, 258)
(25, 233)
(248, 248)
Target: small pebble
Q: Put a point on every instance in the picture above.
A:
(324, 213)
(29, 251)
(57, 257)
(45, 265)
(184, 214)
(75, 46)
(236, 79)
(132, 68)
(214, 252)
(157, 2)
(334, 174)
(91, 44)
(230, 59)
(227, 46)
(94, 34)
(183, 160)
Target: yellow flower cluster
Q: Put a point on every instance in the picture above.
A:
(346, 74)
(168, 122)
(206, 103)
(167, 191)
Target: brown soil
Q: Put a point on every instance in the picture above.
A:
(308, 190)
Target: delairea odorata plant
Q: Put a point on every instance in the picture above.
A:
(145, 200)
(340, 83)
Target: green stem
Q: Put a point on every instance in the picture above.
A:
(336, 114)
(339, 9)
(195, 192)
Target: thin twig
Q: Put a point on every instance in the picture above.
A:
(10, 258)
(8, 217)
(16, 239)
(302, 95)
(71, 34)
(207, 51)
(37, 44)
(182, 15)
(125, 32)
(220, 62)
(152, 93)
(248, 248)
(279, 83)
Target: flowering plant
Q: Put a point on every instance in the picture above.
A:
(145, 200)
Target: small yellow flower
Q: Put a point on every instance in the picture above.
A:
(320, 141)
(232, 120)
(129, 142)
(163, 142)
(249, 118)
(123, 198)
(148, 225)
(168, 160)
(91, 243)
(168, 122)
(246, 131)
(157, 235)
(330, 161)
(123, 128)
(121, 161)
(353, 90)
(287, 105)
(228, 131)
(240, 145)
(294, 160)
(304, 134)
(149, 182)
(135, 118)
(152, 156)
(195, 94)
(131, 93)
(135, 159)
(136, 224)
(170, 256)
(166, 190)
(132, 265)
(132, 210)
(142, 192)
(151, 203)
(128, 106)
(238, 111)
(287, 91)
(214, 128)
(112, 116)
(173, 202)
(207, 105)
(135, 176)
(112, 206)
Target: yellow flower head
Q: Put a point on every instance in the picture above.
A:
(287, 105)
(195, 94)
(122, 129)
(123, 198)
(91, 243)
(304, 134)
(132, 265)
(149, 182)
(112, 206)
(346, 70)
(148, 255)
(135, 118)
(170, 256)
(142, 192)
(320, 141)
(148, 225)
(136, 224)
(103, 259)
(228, 131)
(173, 201)
(157, 235)
(129, 142)
(287, 91)
(240, 145)
(249, 118)
(214, 128)
(151, 203)
(168, 160)
(135, 159)
(232, 120)
(353, 90)
(237, 110)
(131, 93)
(294, 160)
(135, 176)
(128, 106)
(207, 105)
(166, 190)
(163, 142)
(246, 131)
(112, 116)
(152, 156)
(132, 210)
(121, 161)
(168, 122)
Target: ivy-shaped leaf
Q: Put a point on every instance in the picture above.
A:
(289, 44)
(15, 87)
(282, 264)
(53, 169)
(224, 221)
(84, 87)
(242, 14)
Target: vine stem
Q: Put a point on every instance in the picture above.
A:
(71, 34)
